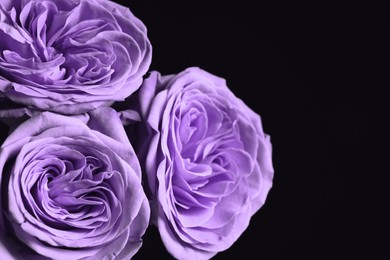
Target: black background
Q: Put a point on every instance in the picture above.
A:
(315, 71)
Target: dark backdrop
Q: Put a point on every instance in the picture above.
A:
(313, 71)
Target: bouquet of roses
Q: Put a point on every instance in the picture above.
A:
(97, 148)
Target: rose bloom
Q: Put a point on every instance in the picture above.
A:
(71, 189)
(70, 56)
(208, 161)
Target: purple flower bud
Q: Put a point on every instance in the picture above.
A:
(208, 162)
(71, 189)
(70, 56)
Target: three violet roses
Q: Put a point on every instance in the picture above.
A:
(82, 179)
